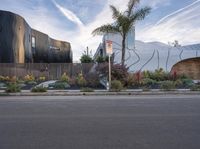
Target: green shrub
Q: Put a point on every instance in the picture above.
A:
(87, 89)
(149, 82)
(81, 80)
(167, 85)
(187, 83)
(86, 59)
(13, 88)
(116, 86)
(158, 75)
(64, 78)
(195, 88)
(101, 59)
(178, 83)
(39, 89)
(59, 85)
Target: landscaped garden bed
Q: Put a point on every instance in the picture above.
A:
(121, 80)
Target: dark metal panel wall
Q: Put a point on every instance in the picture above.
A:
(16, 43)
(6, 38)
(42, 47)
(14, 39)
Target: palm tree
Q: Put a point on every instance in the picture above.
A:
(124, 21)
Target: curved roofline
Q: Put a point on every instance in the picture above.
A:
(9, 12)
(194, 58)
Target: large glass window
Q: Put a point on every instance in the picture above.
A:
(33, 42)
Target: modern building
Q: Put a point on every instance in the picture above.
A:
(117, 42)
(142, 56)
(19, 43)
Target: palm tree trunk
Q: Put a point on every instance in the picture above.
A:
(123, 49)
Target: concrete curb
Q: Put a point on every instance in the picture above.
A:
(104, 93)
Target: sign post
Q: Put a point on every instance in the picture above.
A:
(109, 50)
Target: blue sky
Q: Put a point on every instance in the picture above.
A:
(74, 20)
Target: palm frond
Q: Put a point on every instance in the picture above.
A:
(115, 12)
(124, 24)
(109, 28)
(140, 14)
(131, 5)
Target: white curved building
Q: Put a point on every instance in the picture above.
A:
(147, 56)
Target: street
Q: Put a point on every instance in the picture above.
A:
(100, 122)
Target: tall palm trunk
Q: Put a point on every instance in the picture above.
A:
(123, 49)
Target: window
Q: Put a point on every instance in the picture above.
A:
(33, 42)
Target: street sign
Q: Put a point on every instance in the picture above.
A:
(109, 47)
(109, 51)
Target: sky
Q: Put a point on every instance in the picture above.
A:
(74, 20)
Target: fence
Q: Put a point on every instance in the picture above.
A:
(50, 71)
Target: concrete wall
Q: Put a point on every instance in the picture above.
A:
(16, 43)
(189, 67)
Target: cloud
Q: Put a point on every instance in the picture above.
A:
(69, 14)
(176, 12)
(182, 25)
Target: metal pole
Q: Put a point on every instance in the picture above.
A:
(109, 72)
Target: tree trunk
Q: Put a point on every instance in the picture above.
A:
(123, 49)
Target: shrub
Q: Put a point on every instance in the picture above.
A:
(178, 83)
(86, 59)
(130, 81)
(118, 72)
(81, 80)
(116, 86)
(92, 80)
(72, 81)
(13, 79)
(64, 78)
(158, 75)
(42, 78)
(29, 78)
(39, 89)
(87, 89)
(13, 88)
(60, 85)
(101, 59)
(147, 82)
(187, 83)
(2, 78)
(195, 88)
(167, 85)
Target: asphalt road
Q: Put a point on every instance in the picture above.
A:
(112, 122)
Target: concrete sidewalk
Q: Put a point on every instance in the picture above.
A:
(101, 92)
